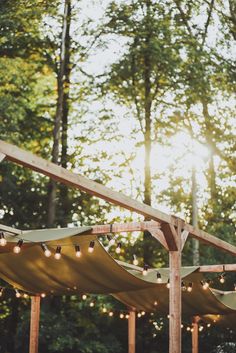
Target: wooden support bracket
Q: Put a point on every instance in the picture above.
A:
(184, 237)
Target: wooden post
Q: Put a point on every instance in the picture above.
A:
(195, 334)
(34, 324)
(175, 297)
(131, 331)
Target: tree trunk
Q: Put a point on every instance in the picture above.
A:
(196, 257)
(147, 131)
(64, 133)
(61, 86)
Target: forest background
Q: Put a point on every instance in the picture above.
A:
(138, 95)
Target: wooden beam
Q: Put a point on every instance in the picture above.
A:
(210, 239)
(34, 324)
(175, 304)
(218, 268)
(195, 334)
(125, 227)
(2, 157)
(131, 331)
(64, 176)
(10, 229)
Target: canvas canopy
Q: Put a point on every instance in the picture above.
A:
(98, 272)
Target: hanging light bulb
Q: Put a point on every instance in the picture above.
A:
(92, 304)
(182, 326)
(135, 260)
(190, 287)
(84, 296)
(142, 313)
(118, 249)
(58, 253)
(1, 292)
(127, 316)
(222, 279)
(183, 287)
(77, 251)
(104, 309)
(201, 328)
(91, 246)
(3, 241)
(18, 246)
(159, 279)
(43, 295)
(18, 295)
(139, 314)
(145, 270)
(122, 316)
(25, 295)
(208, 325)
(111, 313)
(111, 240)
(188, 328)
(155, 303)
(46, 251)
(168, 284)
(206, 284)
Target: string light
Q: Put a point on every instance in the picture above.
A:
(155, 303)
(206, 284)
(3, 241)
(25, 295)
(118, 249)
(159, 279)
(127, 316)
(77, 251)
(58, 253)
(92, 304)
(222, 279)
(135, 260)
(18, 295)
(190, 287)
(145, 270)
(91, 246)
(200, 328)
(183, 287)
(122, 316)
(104, 309)
(111, 313)
(139, 315)
(46, 251)
(1, 292)
(18, 246)
(168, 284)
(111, 241)
(143, 313)
(43, 295)
(84, 296)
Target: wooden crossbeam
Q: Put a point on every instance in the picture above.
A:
(210, 239)
(218, 268)
(125, 227)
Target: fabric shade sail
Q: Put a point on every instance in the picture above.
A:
(97, 272)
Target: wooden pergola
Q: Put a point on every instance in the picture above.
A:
(171, 231)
